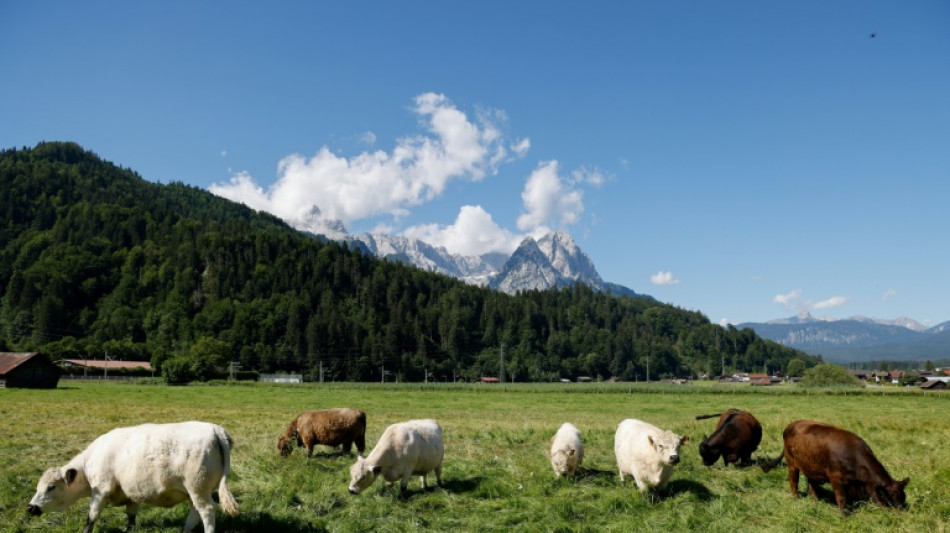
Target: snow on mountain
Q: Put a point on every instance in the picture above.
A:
(553, 261)
(473, 269)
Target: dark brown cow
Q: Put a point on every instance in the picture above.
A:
(825, 453)
(737, 435)
(329, 427)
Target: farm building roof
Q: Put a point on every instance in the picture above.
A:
(109, 365)
(10, 360)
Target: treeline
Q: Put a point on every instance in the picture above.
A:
(95, 262)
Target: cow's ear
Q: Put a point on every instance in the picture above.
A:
(650, 440)
(376, 469)
(71, 475)
(571, 452)
(684, 440)
(903, 483)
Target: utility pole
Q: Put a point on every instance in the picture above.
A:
(648, 369)
(321, 371)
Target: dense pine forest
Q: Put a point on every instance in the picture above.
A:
(95, 261)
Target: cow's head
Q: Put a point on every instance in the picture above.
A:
(362, 475)
(709, 454)
(892, 493)
(667, 445)
(562, 461)
(285, 445)
(57, 489)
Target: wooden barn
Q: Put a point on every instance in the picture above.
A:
(27, 370)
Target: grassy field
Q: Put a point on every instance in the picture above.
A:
(496, 474)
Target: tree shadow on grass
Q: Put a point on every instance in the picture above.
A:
(596, 475)
(461, 485)
(251, 522)
(682, 486)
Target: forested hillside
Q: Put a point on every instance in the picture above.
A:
(96, 260)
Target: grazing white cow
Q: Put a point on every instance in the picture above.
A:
(567, 450)
(406, 449)
(157, 464)
(647, 453)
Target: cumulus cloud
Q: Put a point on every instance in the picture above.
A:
(383, 183)
(549, 199)
(474, 232)
(793, 300)
(788, 300)
(889, 293)
(834, 301)
(664, 278)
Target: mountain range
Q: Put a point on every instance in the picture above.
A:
(859, 338)
(553, 261)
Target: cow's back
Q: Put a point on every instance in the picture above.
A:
(416, 442)
(155, 460)
(820, 450)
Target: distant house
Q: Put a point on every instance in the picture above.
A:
(486, 379)
(70, 365)
(764, 380)
(934, 384)
(27, 370)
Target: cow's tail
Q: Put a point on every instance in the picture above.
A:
(225, 442)
(769, 465)
(703, 417)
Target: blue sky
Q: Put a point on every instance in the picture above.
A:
(749, 160)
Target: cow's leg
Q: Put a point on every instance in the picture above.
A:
(361, 444)
(347, 447)
(96, 503)
(193, 518)
(793, 479)
(205, 509)
(130, 511)
(813, 488)
(404, 484)
(309, 443)
(841, 496)
(438, 475)
(641, 485)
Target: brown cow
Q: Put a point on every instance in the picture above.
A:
(737, 435)
(329, 427)
(825, 453)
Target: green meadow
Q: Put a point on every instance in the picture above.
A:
(496, 476)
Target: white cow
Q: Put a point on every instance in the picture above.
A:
(157, 464)
(567, 450)
(406, 449)
(647, 453)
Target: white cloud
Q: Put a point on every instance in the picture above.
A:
(664, 278)
(473, 233)
(380, 183)
(548, 200)
(224, 153)
(368, 138)
(521, 147)
(788, 300)
(724, 322)
(889, 293)
(834, 301)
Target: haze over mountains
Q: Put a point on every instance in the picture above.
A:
(859, 338)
